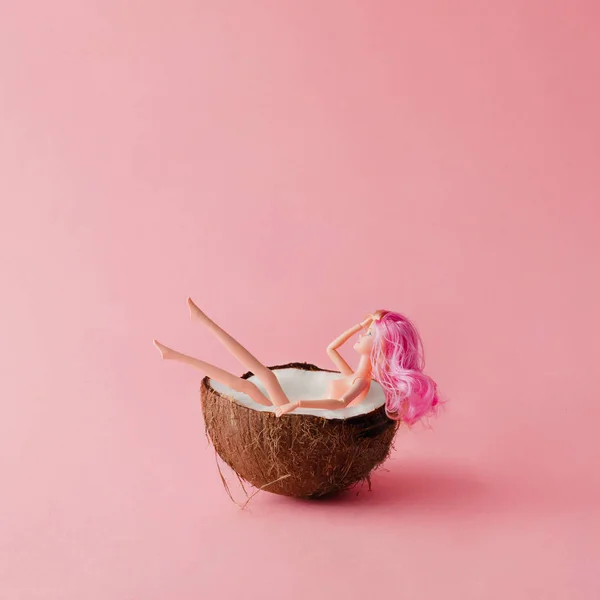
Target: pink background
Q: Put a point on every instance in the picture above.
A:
(293, 165)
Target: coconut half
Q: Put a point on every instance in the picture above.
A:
(308, 453)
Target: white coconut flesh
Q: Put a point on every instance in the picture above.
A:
(299, 384)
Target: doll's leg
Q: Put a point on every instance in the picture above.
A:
(233, 381)
(250, 362)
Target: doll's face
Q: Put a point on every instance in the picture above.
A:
(365, 340)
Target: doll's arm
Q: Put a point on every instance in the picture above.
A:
(359, 385)
(355, 390)
(335, 356)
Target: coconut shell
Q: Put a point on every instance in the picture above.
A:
(298, 455)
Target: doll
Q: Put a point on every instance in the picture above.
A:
(390, 351)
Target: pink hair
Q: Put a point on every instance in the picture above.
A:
(398, 363)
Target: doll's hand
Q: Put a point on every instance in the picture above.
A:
(286, 408)
(367, 321)
(376, 316)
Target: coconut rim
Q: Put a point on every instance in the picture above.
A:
(325, 414)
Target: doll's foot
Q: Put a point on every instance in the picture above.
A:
(165, 352)
(195, 312)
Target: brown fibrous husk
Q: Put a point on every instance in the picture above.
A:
(304, 456)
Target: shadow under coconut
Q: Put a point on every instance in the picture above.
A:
(428, 487)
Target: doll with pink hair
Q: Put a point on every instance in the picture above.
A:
(391, 353)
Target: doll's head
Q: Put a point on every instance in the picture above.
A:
(366, 338)
(364, 343)
(398, 363)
